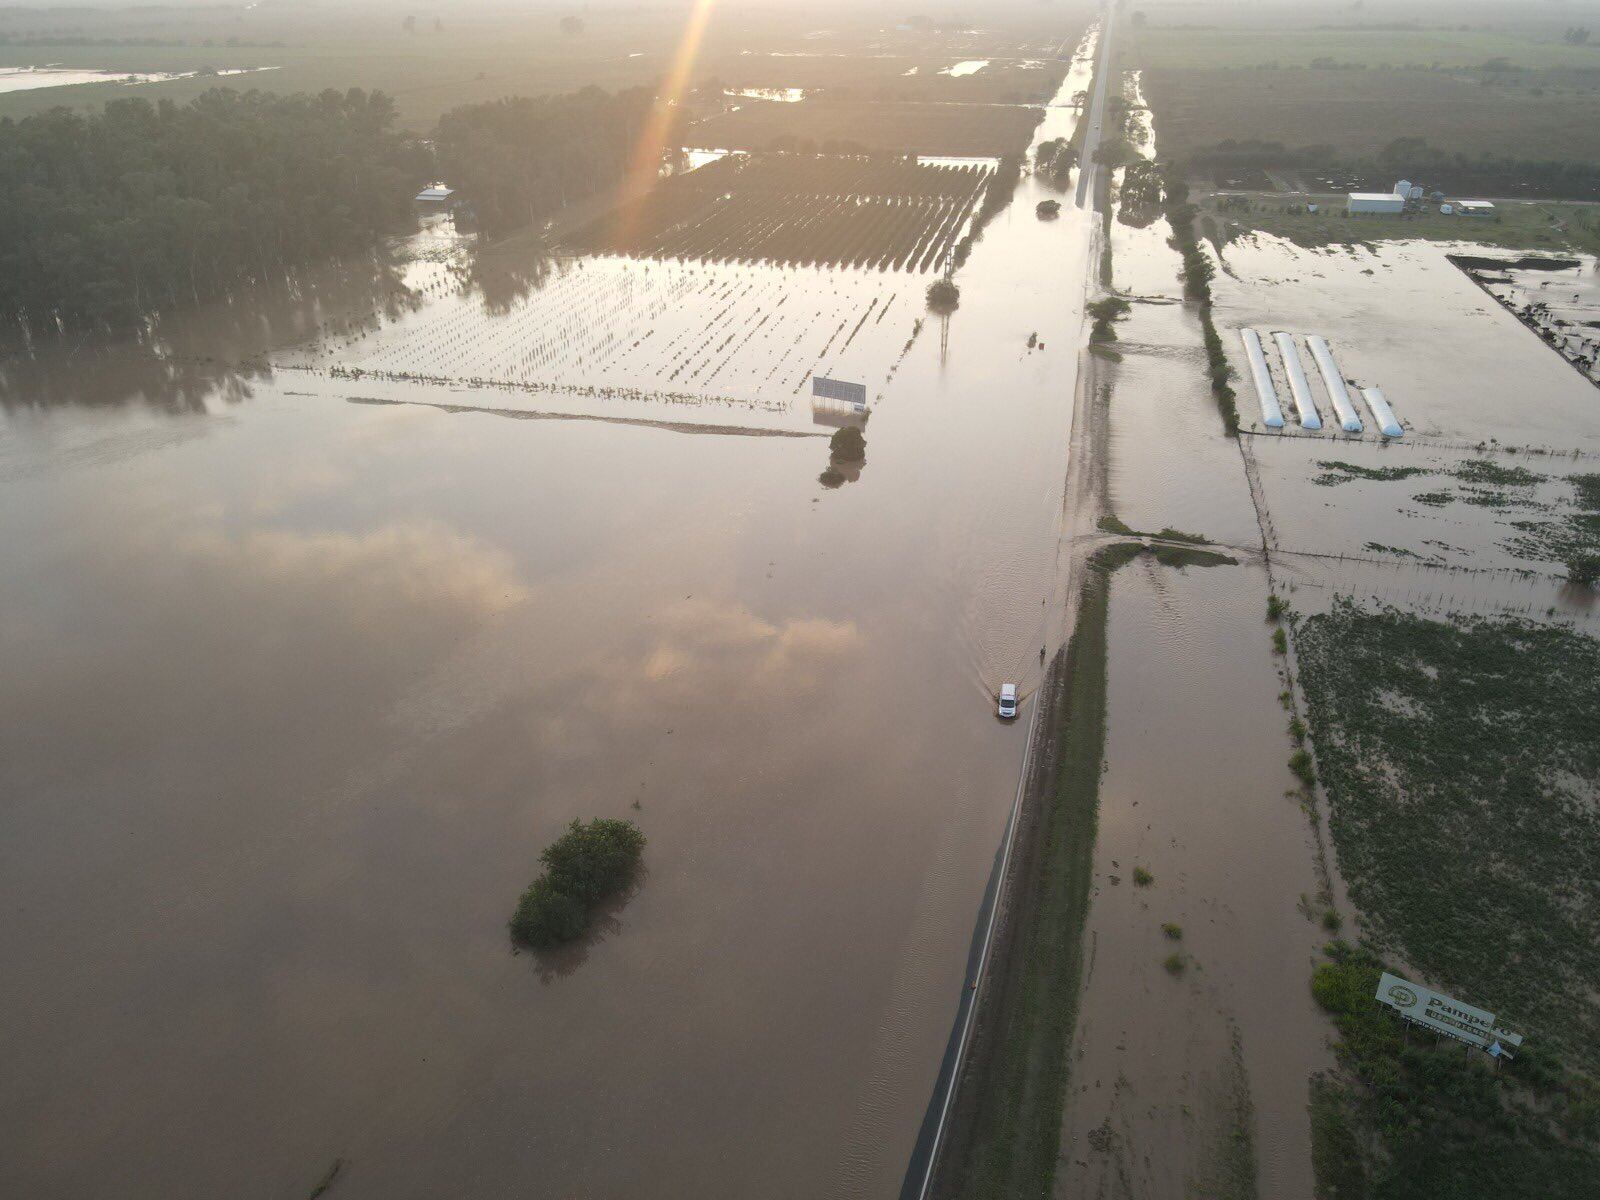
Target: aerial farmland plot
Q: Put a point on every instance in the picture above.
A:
(695, 301)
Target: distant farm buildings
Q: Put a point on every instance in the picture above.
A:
(1376, 202)
(1409, 197)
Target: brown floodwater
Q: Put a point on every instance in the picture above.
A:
(297, 685)
(1171, 1069)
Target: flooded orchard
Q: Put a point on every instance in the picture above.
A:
(317, 629)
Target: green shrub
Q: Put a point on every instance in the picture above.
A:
(1106, 312)
(1174, 963)
(582, 867)
(1276, 608)
(1142, 878)
(590, 862)
(1583, 569)
(1300, 764)
(546, 916)
(1172, 929)
(1280, 642)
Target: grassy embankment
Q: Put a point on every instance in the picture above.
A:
(1196, 273)
(1460, 760)
(1007, 1132)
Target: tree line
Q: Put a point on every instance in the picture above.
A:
(110, 216)
(518, 160)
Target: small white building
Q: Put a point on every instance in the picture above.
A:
(1475, 208)
(435, 193)
(1376, 202)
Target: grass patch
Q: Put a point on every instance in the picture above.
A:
(1432, 499)
(1172, 930)
(1572, 540)
(1142, 877)
(1304, 771)
(1487, 471)
(1409, 1116)
(1174, 963)
(1460, 758)
(1184, 556)
(1336, 471)
(1397, 551)
(1586, 488)
(1337, 1161)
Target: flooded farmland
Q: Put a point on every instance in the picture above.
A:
(322, 619)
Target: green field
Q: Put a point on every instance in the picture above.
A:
(1460, 759)
(1168, 40)
(1518, 225)
(1511, 88)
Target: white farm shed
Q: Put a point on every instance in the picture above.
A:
(1377, 202)
(1475, 208)
(435, 194)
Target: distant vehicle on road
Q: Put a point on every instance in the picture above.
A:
(1008, 700)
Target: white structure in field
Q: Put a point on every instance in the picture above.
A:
(1381, 412)
(1299, 386)
(1334, 382)
(435, 194)
(1403, 188)
(1475, 208)
(1271, 411)
(1376, 202)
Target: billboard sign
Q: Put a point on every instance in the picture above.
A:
(1444, 1014)
(854, 394)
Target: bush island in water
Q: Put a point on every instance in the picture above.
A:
(584, 866)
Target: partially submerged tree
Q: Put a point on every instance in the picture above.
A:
(944, 297)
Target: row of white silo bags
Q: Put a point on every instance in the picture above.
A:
(1300, 386)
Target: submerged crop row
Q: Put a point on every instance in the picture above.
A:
(840, 211)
